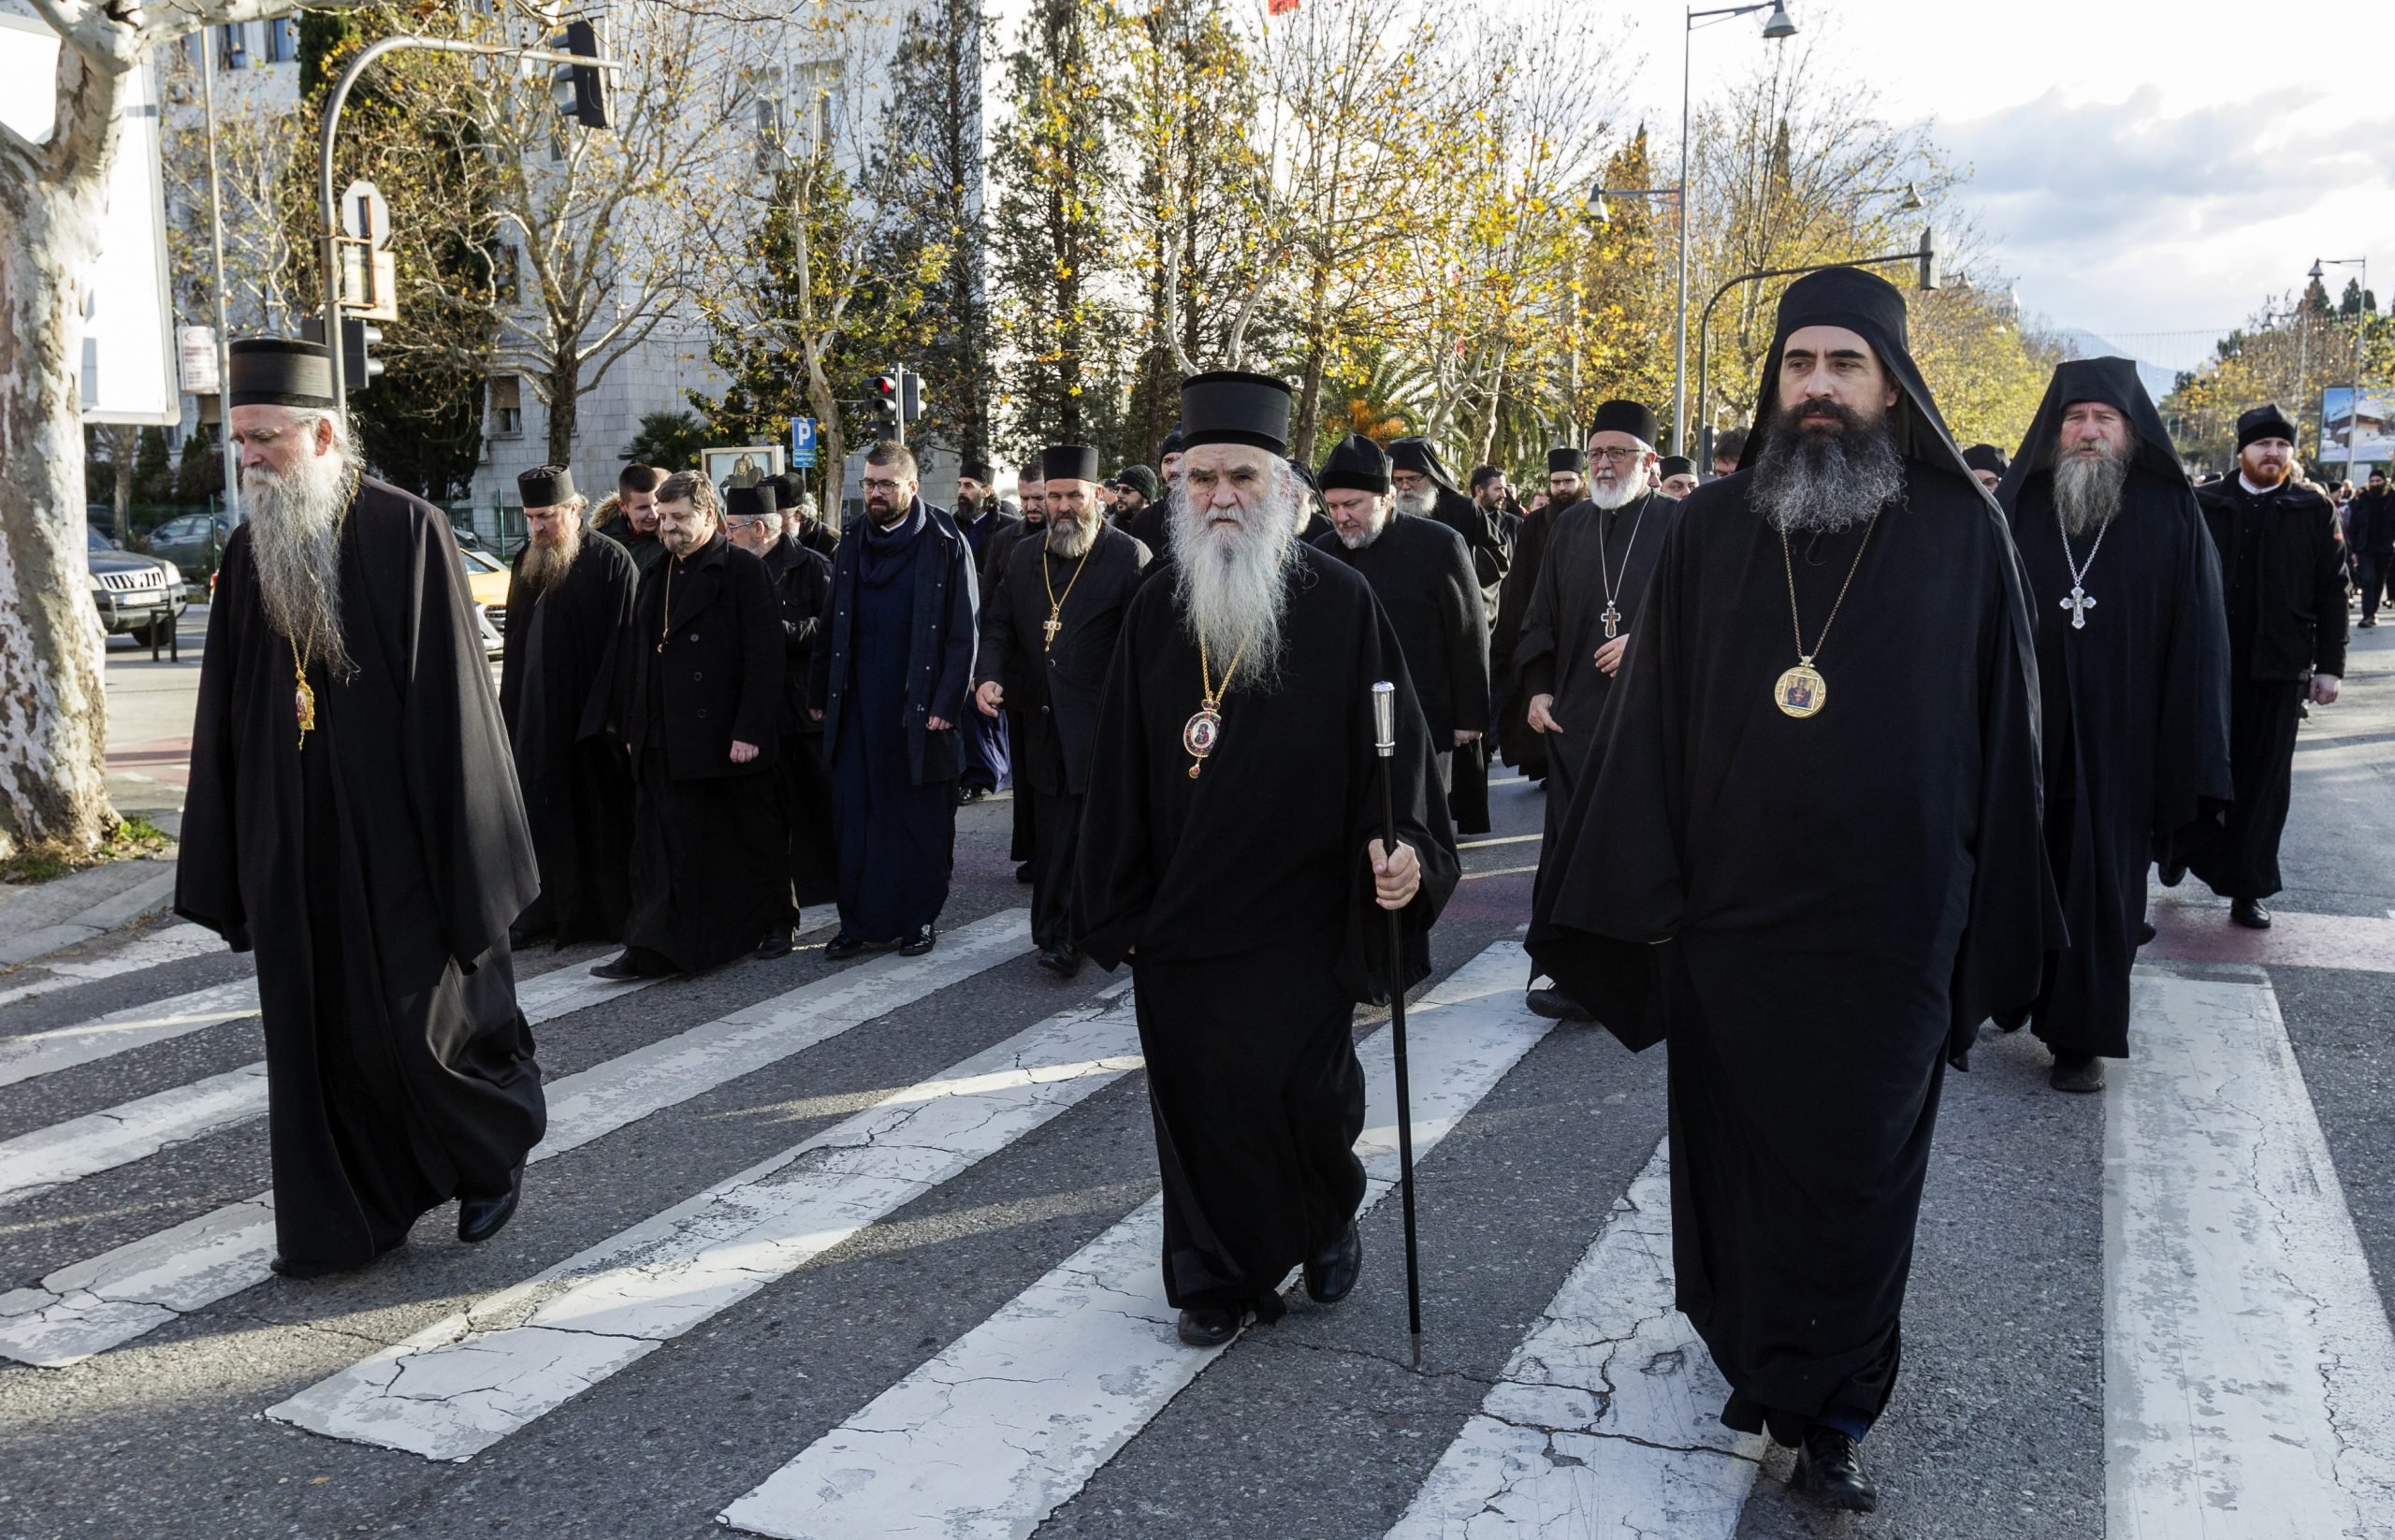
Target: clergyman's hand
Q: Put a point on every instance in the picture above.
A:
(989, 697)
(1609, 655)
(814, 713)
(743, 753)
(1397, 875)
(1463, 737)
(2324, 689)
(938, 724)
(1542, 718)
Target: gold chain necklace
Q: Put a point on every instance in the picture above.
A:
(1202, 731)
(665, 622)
(1055, 606)
(304, 700)
(1802, 691)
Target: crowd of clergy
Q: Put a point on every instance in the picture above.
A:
(1810, 822)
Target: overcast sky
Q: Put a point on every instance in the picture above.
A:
(2143, 167)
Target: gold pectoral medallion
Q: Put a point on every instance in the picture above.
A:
(1200, 734)
(1801, 691)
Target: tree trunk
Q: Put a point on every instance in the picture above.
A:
(123, 440)
(53, 706)
(565, 405)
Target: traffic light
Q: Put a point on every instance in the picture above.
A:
(882, 407)
(580, 91)
(358, 365)
(910, 395)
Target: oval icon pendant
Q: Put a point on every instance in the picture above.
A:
(1801, 692)
(1200, 734)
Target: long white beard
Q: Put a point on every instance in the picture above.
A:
(545, 565)
(2087, 490)
(1422, 502)
(294, 543)
(1232, 579)
(1070, 538)
(1609, 491)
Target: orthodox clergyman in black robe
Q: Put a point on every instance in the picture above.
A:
(1805, 851)
(1422, 575)
(570, 610)
(703, 713)
(989, 753)
(1230, 845)
(1567, 482)
(1426, 490)
(1048, 637)
(2281, 566)
(353, 815)
(2133, 669)
(1031, 494)
(802, 582)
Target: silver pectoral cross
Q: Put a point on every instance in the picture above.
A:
(1612, 618)
(2079, 603)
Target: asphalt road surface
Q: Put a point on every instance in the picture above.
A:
(869, 1250)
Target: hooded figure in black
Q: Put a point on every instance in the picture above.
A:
(1225, 842)
(2282, 568)
(570, 612)
(1047, 637)
(353, 814)
(703, 719)
(2134, 685)
(1423, 576)
(1815, 868)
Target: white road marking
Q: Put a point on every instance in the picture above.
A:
(1605, 1423)
(136, 1130)
(1012, 1420)
(478, 1376)
(170, 945)
(1501, 871)
(122, 1031)
(1503, 839)
(2249, 1372)
(103, 1301)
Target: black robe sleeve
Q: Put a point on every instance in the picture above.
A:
(613, 586)
(960, 639)
(1468, 650)
(763, 652)
(1411, 773)
(2192, 787)
(1535, 642)
(997, 630)
(208, 885)
(2329, 601)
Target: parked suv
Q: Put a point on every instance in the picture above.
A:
(135, 594)
(194, 543)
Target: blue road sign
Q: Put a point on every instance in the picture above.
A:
(801, 442)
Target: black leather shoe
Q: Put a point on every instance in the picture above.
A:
(284, 1269)
(1556, 1006)
(2078, 1072)
(2145, 933)
(518, 937)
(480, 1218)
(2252, 913)
(1829, 1466)
(919, 943)
(1063, 960)
(622, 969)
(778, 943)
(1333, 1273)
(842, 947)
(1207, 1326)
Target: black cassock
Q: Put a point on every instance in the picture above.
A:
(710, 871)
(1056, 687)
(1522, 748)
(1247, 894)
(375, 871)
(1593, 558)
(1003, 541)
(803, 584)
(2135, 703)
(1421, 573)
(1816, 913)
(557, 690)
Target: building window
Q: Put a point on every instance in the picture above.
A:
(233, 46)
(507, 274)
(506, 407)
(281, 40)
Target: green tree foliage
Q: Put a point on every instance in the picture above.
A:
(670, 440)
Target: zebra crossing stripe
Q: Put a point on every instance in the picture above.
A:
(170, 945)
(1605, 1423)
(2249, 1374)
(134, 1130)
(122, 1031)
(1003, 1427)
(106, 1300)
(476, 1377)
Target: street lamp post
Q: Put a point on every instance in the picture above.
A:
(231, 456)
(2361, 319)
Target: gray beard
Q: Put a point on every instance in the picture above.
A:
(1622, 491)
(1233, 587)
(1422, 502)
(295, 522)
(544, 566)
(1363, 538)
(1071, 540)
(2087, 492)
(1824, 482)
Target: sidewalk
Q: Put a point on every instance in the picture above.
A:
(43, 917)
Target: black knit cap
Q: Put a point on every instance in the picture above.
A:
(1233, 406)
(1357, 464)
(1619, 416)
(1141, 480)
(750, 502)
(1068, 462)
(279, 371)
(1171, 444)
(2262, 422)
(546, 486)
(1988, 458)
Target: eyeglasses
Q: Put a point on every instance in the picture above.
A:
(1615, 456)
(873, 483)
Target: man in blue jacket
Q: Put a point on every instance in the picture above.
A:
(892, 683)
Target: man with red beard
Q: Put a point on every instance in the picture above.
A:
(353, 814)
(2281, 565)
(1230, 845)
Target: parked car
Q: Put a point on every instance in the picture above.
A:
(486, 584)
(136, 595)
(195, 542)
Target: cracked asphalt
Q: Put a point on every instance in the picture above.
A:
(1315, 1427)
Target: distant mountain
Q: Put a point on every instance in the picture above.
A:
(2087, 344)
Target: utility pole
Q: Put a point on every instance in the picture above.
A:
(216, 246)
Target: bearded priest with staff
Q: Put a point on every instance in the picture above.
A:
(1806, 853)
(1048, 634)
(353, 815)
(1229, 846)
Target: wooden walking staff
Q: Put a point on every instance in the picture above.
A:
(1385, 732)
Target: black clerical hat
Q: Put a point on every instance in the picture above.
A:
(981, 471)
(1674, 465)
(546, 486)
(1171, 444)
(1421, 456)
(1620, 416)
(1068, 462)
(2262, 422)
(1357, 464)
(785, 487)
(1566, 459)
(750, 502)
(1141, 480)
(2115, 381)
(277, 371)
(1988, 458)
(1233, 406)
